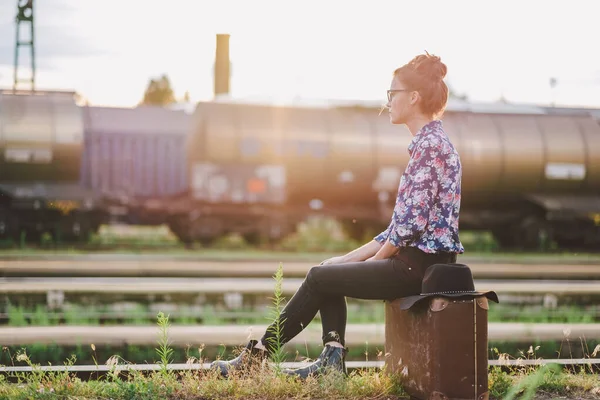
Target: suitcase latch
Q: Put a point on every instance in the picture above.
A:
(438, 304)
(483, 302)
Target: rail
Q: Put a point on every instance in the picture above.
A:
(144, 286)
(234, 268)
(205, 366)
(356, 334)
(202, 316)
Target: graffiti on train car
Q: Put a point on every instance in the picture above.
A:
(239, 183)
(64, 206)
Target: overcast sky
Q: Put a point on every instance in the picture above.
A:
(107, 50)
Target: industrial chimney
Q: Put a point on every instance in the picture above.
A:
(222, 65)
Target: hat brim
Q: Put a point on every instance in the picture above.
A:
(407, 302)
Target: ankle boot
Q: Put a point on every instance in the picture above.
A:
(330, 358)
(248, 356)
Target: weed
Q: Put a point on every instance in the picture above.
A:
(528, 385)
(164, 350)
(277, 355)
(16, 315)
(371, 383)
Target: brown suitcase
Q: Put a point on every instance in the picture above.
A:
(438, 347)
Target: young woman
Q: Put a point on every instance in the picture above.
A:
(423, 229)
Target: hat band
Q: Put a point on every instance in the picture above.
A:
(450, 292)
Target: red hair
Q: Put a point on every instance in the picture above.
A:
(425, 74)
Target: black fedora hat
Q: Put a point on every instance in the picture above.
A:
(446, 280)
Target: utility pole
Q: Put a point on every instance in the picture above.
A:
(24, 16)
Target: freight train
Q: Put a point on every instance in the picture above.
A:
(530, 174)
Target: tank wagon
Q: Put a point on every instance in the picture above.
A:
(259, 170)
(41, 142)
(529, 173)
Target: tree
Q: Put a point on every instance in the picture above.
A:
(502, 99)
(159, 92)
(453, 94)
(81, 99)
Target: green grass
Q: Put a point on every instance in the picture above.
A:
(142, 354)
(545, 382)
(264, 382)
(359, 312)
(314, 241)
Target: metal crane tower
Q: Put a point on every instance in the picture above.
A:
(24, 16)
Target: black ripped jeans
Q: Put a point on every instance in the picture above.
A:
(325, 289)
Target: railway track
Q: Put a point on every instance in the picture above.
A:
(234, 335)
(148, 267)
(88, 371)
(252, 286)
(203, 317)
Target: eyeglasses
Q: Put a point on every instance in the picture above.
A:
(391, 92)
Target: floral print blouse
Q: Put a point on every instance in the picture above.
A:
(428, 202)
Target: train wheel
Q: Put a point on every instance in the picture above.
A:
(578, 235)
(505, 236)
(10, 231)
(253, 238)
(573, 244)
(74, 228)
(535, 234)
(531, 234)
(8, 225)
(179, 225)
(269, 231)
(204, 230)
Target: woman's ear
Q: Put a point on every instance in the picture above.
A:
(414, 97)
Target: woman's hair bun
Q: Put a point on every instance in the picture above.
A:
(425, 74)
(430, 66)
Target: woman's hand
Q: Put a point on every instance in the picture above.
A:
(334, 260)
(386, 251)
